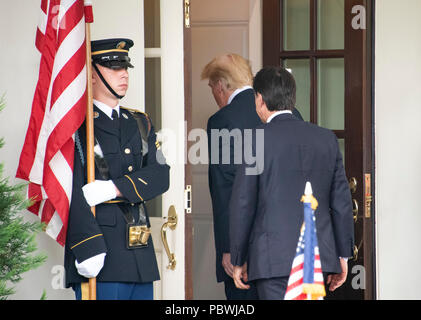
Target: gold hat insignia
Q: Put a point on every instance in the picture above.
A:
(121, 45)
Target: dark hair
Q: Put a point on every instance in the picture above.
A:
(277, 87)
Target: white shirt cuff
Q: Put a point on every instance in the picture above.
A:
(91, 267)
(99, 191)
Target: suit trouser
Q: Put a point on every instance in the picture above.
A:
(275, 288)
(233, 293)
(272, 288)
(119, 291)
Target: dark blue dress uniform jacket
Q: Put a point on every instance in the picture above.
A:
(239, 114)
(88, 236)
(266, 212)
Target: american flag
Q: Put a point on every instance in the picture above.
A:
(306, 278)
(58, 110)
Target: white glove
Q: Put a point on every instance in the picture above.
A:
(99, 191)
(91, 267)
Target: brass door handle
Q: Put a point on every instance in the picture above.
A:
(357, 250)
(172, 224)
(353, 184)
(355, 257)
(355, 209)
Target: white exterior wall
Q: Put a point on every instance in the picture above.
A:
(19, 65)
(398, 148)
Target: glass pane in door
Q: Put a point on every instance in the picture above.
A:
(300, 69)
(296, 17)
(331, 93)
(152, 23)
(153, 109)
(331, 24)
(153, 90)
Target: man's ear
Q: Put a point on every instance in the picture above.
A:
(259, 100)
(261, 108)
(219, 86)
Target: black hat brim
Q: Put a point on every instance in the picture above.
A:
(116, 64)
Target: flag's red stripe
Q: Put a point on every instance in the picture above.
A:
(61, 238)
(70, 20)
(27, 156)
(40, 36)
(35, 207)
(297, 268)
(74, 118)
(34, 192)
(39, 40)
(295, 284)
(64, 130)
(68, 151)
(49, 50)
(67, 74)
(89, 15)
(47, 212)
(76, 63)
(44, 4)
(56, 194)
(35, 195)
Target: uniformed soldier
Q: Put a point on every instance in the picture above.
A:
(115, 246)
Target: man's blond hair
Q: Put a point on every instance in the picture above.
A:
(232, 69)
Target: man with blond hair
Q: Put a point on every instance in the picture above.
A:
(230, 79)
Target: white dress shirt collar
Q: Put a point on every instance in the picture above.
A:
(277, 113)
(106, 108)
(236, 92)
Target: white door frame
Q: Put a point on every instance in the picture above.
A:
(171, 286)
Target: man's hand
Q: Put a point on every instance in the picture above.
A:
(241, 273)
(336, 280)
(226, 263)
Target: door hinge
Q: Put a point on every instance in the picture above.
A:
(188, 199)
(187, 13)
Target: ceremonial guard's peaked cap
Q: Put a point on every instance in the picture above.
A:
(112, 53)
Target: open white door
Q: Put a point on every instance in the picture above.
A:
(157, 87)
(164, 101)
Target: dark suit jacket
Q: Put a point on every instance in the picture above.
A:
(88, 236)
(239, 114)
(265, 210)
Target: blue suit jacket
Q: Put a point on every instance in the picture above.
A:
(239, 114)
(265, 210)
